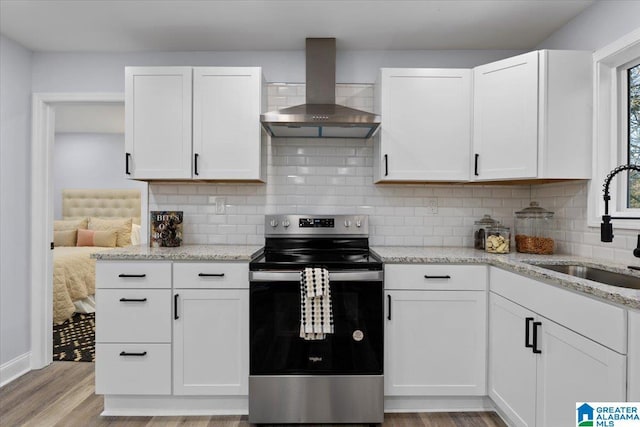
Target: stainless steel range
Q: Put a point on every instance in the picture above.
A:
(334, 379)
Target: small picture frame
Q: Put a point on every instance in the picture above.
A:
(165, 229)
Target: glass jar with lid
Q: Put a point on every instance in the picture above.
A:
(533, 230)
(498, 239)
(480, 230)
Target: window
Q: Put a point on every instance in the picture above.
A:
(616, 137)
(633, 133)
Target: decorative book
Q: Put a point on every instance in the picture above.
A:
(166, 229)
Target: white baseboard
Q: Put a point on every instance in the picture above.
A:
(15, 368)
(141, 405)
(437, 404)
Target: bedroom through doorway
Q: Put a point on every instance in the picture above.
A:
(92, 207)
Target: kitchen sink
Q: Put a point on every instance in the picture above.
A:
(595, 274)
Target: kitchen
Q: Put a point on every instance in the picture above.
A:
(335, 176)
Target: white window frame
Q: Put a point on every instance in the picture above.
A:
(608, 135)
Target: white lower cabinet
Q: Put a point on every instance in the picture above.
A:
(539, 369)
(133, 330)
(211, 342)
(205, 352)
(435, 340)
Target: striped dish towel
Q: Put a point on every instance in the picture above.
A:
(316, 312)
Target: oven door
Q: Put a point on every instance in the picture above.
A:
(355, 347)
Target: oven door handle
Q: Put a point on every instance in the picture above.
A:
(336, 276)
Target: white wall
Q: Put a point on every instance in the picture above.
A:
(597, 26)
(87, 72)
(89, 160)
(15, 124)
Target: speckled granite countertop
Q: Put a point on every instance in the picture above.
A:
(522, 264)
(181, 253)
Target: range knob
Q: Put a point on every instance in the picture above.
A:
(286, 223)
(347, 223)
(273, 223)
(358, 223)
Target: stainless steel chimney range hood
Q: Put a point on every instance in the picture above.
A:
(320, 117)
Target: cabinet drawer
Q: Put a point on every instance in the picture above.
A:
(599, 321)
(133, 368)
(203, 275)
(436, 277)
(145, 274)
(133, 315)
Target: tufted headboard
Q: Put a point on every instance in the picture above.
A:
(101, 203)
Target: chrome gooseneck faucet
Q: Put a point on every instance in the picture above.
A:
(606, 228)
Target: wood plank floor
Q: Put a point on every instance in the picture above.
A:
(62, 395)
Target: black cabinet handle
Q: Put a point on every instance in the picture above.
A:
(426, 276)
(126, 163)
(175, 306)
(133, 299)
(132, 275)
(388, 307)
(211, 274)
(195, 163)
(527, 322)
(475, 168)
(535, 337)
(386, 165)
(125, 353)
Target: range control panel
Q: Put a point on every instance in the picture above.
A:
(316, 225)
(316, 222)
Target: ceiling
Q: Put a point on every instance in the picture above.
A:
(223, 25)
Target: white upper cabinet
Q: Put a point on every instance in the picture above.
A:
(226, 122)
(426, 125)
(532, 113)
(218, 106)
(158, 122)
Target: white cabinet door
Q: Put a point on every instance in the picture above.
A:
(512, 366)
(572, 368)
(505, 118)
(426, 125)
(435, 343)
(158, 122)
(211, 342)
(226, 122)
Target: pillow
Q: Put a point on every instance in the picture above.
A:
(65, 238)
(122, 226)
(70, 224)
(135, 234)
(105, 238)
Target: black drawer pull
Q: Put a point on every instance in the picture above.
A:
(126, 163)
(133, 299)
(211, 274)
(386, 165)
(527, 322)
(125, 353)
(175, 306)
(389, 307)
(535, 337)
(426, 276)
(475, 168)
(132, 275)
(195, 164)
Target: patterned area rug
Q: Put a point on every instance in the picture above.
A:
(74, 340)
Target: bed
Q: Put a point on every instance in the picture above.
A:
(92, 221)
